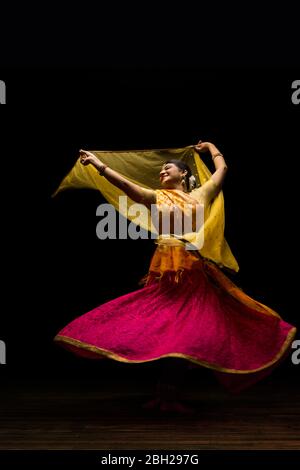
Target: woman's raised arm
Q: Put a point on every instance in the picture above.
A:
(134, 191)
(221, 168)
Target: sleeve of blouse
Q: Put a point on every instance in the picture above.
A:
(158, 195)
(206, 192)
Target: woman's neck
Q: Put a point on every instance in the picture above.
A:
(177, 188)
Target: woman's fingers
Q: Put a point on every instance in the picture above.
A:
(83, 156)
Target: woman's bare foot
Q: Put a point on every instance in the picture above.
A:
(151, 404)
(176, 407)
(173, 406)
(168, 399)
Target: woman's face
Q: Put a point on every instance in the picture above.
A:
(170, 175)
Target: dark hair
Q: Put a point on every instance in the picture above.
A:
(183, 166)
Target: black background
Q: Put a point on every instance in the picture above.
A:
(56, 269)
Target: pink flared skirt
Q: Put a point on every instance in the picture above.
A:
(199, 315)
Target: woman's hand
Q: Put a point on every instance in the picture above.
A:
(88, 157)
(203, 146)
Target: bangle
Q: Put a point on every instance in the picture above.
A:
(219, 154)
(101, 171)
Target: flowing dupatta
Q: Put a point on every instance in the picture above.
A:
(142, 167)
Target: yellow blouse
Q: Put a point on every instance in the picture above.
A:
(171, 253)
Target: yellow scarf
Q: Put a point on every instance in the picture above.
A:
(142, 167)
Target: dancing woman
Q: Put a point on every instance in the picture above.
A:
(187, 310)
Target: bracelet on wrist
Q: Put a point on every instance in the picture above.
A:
(102, 168)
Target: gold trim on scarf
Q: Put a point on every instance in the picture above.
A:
(117, 357)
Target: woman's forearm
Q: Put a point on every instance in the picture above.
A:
(131, 189)
(221, 168)
(219, 160)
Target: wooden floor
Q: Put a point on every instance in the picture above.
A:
(94, 415)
